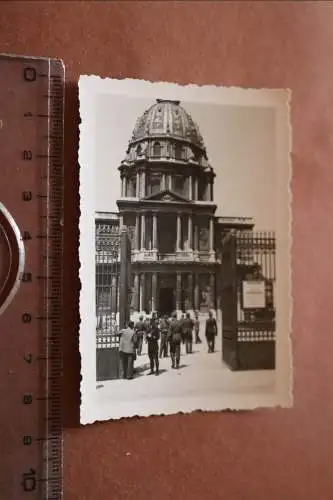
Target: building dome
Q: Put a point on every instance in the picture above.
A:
(167, 118)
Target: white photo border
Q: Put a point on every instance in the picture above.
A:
(92, 87)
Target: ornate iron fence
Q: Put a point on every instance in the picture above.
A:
(248, 275)
(113, 276)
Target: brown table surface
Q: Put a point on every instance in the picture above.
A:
(261, 455)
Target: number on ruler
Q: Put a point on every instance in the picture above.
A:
(29, 481)
(29, 74)
(27, 155)
(28, 358)
(27, 399)
(27, 440)
(26, 277)
(26, 236)
(26, 318)
(27, 195)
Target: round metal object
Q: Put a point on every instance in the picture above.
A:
(12, 258)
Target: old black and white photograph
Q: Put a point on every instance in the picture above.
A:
(184, 248)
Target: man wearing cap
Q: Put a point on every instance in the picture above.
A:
(211, 332)
(140, 329)
(188, 333)
(175, 339)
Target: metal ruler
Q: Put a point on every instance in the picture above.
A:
(31, 211)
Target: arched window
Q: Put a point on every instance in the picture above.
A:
(139, 150)
(157, 149)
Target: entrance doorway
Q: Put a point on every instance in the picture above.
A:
(166, 301)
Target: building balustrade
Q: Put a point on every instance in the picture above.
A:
(179, 256)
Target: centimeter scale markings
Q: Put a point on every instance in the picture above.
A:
(31, 136)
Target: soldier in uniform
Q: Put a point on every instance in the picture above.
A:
(147, 324)
(197, 329)
(152, 338)
(187, 328)
(154, 318)
(164, 325)
(175, 338)
(181, 321)
(211, 332)
(140, 329)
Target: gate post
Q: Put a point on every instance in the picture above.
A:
(123, 278)
(228, 293)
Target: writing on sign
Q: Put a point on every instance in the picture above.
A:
(254, 295)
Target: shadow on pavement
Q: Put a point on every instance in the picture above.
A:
(163, 370)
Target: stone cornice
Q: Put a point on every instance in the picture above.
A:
(142, 205)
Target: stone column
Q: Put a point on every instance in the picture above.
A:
(114, 293)
(136, 292)
(142, 291)
(163, 183)
(196, 237)
(137, 232)
(179, 232)
(190, 188)
(211, 234)
(178, 291)
(121, 221)
(137, 194)
(154, 231)
(154, 292)
(212, 290)
(190, 291)
(122, 186)
(207, 191)
(195, 189)
(143, 232)
(143, 184)
(189, 232)
(196, 292)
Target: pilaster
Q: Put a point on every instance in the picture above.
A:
(179, 232)
(154, 292)
(196, 292)
(143, 232)
(136, 292)
(190, 291)
(178, 291)
(154, 231)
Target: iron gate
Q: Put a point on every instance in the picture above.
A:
(113, 294)
(248, 274)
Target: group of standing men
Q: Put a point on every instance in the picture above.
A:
(171, 332)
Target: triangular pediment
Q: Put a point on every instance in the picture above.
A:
(166, 195)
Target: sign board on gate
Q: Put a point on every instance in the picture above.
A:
(254, 295)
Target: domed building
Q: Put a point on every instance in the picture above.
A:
(167, 204)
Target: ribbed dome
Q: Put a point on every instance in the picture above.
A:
(167, 118)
